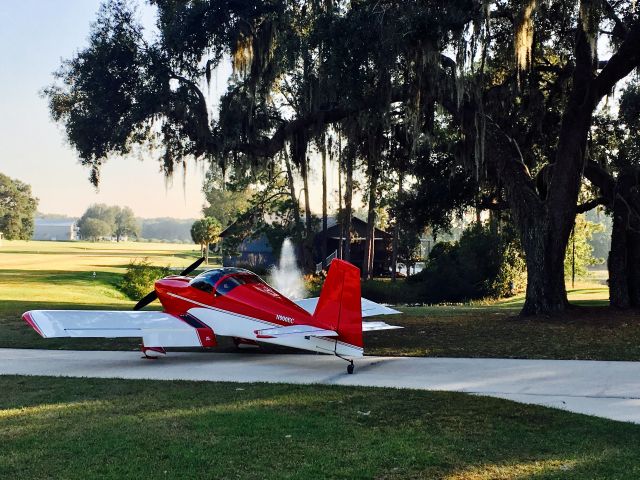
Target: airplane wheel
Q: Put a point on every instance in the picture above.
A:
(350, 368)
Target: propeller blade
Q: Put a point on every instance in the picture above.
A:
(146, 300)
(150, 297)
(192, 267)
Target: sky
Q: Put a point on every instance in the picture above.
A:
(35, 35)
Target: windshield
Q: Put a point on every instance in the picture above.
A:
(231, 282)
(207, 281)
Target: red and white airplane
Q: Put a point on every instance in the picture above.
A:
(236, 303)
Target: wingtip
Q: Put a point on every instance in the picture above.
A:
(28, 317)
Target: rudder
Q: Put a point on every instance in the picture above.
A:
(339, 306)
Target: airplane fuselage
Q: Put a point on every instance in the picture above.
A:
(233, 291)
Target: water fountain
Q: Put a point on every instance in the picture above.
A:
(286, 277)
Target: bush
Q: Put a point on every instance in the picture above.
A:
(140, 277)
(380, 290)
(483, 263)
(394, 293)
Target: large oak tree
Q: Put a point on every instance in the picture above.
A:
(518, 82)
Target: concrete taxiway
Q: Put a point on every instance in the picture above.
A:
(605, 389)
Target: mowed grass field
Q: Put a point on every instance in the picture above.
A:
(114, 429)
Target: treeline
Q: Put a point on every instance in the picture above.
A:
(175, 230)
(102, 221)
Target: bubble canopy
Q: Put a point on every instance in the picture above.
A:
(223, 280)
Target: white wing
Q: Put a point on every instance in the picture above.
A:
(369, 308)
(155, 328)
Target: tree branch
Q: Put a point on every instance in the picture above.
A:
(620, 30)
(591, 204)
(621, 63)
(601, 179)
(204, 127)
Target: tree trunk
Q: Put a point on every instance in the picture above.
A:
(545, 224)
(323, 152)
(369, 247)
(544, 239)
(546, 291)
(292, 191)
(307, 243)
(396, 232)
(633, 266)
(348, 197)
(340, 212)
(617, 261)
(299, 153)
(621, 196)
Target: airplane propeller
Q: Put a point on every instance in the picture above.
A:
(151, 296)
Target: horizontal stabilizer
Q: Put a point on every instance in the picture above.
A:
(304, 330)
(372, 326)
(369, 308)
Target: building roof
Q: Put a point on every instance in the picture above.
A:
(43, 222)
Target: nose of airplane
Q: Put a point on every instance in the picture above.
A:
(170, 290)
(169, 284)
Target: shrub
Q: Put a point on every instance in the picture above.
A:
(380, 290)
(313, 284)
(483, 263)
(394, 293)
(140, 277)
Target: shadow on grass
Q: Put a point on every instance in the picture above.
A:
(24, 277)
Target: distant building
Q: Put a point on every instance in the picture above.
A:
(336, 238)
(251, 252)
(55, 230)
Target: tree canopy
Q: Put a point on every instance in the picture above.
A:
(204, 232)
(442, 105)
(100, 220)
(17, 209)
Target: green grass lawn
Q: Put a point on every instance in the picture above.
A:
(40, 275)
(99, 428)
(586, 333)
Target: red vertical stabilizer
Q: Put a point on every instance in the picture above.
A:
(339, 304)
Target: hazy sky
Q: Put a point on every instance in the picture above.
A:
(34, 36)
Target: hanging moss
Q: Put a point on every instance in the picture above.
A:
(523, 35)
(590, 21)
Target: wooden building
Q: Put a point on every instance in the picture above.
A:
(336, 237)
(256, 252)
